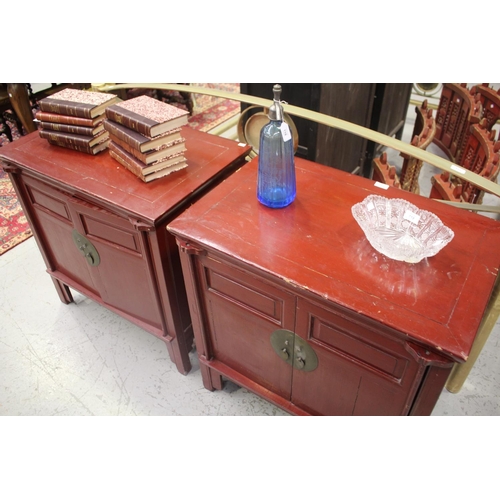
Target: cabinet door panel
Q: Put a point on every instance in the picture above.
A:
(368, 373)
(123, 237)
(242, 313)
(54, 223)
(123, 274)
(46, 199)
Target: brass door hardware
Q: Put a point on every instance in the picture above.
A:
(294, 350)
(86, 248)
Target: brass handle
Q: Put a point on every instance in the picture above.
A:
(300, 363)
(90, 258)
(300, 358)
(86, 248)
(285, 341)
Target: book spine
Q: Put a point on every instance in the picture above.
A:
(63, 137)
(130, 119)
(66, 107)
(70, 129)
(126, 160)
(70, 120)
(127, 147)
(82, 148)
(120, 134)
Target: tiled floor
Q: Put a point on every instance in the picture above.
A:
(81, 359)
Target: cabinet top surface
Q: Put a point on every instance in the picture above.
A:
(315, 245)
(103, 178)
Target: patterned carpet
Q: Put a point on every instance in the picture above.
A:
(208, 112)
(14, 227)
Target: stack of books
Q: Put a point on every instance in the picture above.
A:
(72, 118)
(146, 136)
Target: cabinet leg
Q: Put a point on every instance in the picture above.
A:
(179, 356)
(63, 291)
(212, 380)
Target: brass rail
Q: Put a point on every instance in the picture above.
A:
(441, 163)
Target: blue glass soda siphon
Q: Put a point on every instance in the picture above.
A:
(276, 186)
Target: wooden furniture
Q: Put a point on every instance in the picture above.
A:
(424, 131)
(479, 155)
(423, 135)
(19, 98)
(490, 103)
(458, 109)
(22, 101)
(377, 106)
(384, 172)
(102, 231)
(321, 119)
(7, 114)
(295, 305)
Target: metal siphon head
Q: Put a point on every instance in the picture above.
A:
(276, 109)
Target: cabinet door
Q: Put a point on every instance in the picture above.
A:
(360, 370)
(122, 278)
(241, 312)
(53, 223)
(123, 275)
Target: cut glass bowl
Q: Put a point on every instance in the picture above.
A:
(400, 230)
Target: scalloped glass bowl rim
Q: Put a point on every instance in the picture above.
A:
(384, 239)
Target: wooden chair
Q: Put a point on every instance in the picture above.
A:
(23, 101)
(424, 132)
(458, 109)
(7, 114)
(490, 102)
(481, 156)
(384, 172)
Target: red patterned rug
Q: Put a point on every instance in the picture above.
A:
(14, 227)
(208, 112)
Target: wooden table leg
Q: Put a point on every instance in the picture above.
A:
(460, 371)
(63, 291)
(18, 95)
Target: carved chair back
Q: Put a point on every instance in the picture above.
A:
(458, 109)
(481, 156)
(424, 132)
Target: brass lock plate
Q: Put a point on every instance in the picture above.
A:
(282, 342)
(86, 248)
(294, 350)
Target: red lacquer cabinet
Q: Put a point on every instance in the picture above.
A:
(102, 231)
(295, 304)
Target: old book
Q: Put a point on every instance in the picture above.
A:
(164, 172)
(72, 129)
(43, 116)
(139, 141)
(93, 150)
(65, 138)
(75, 102)
(163, 152)
(147, 116)
(145, 172)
